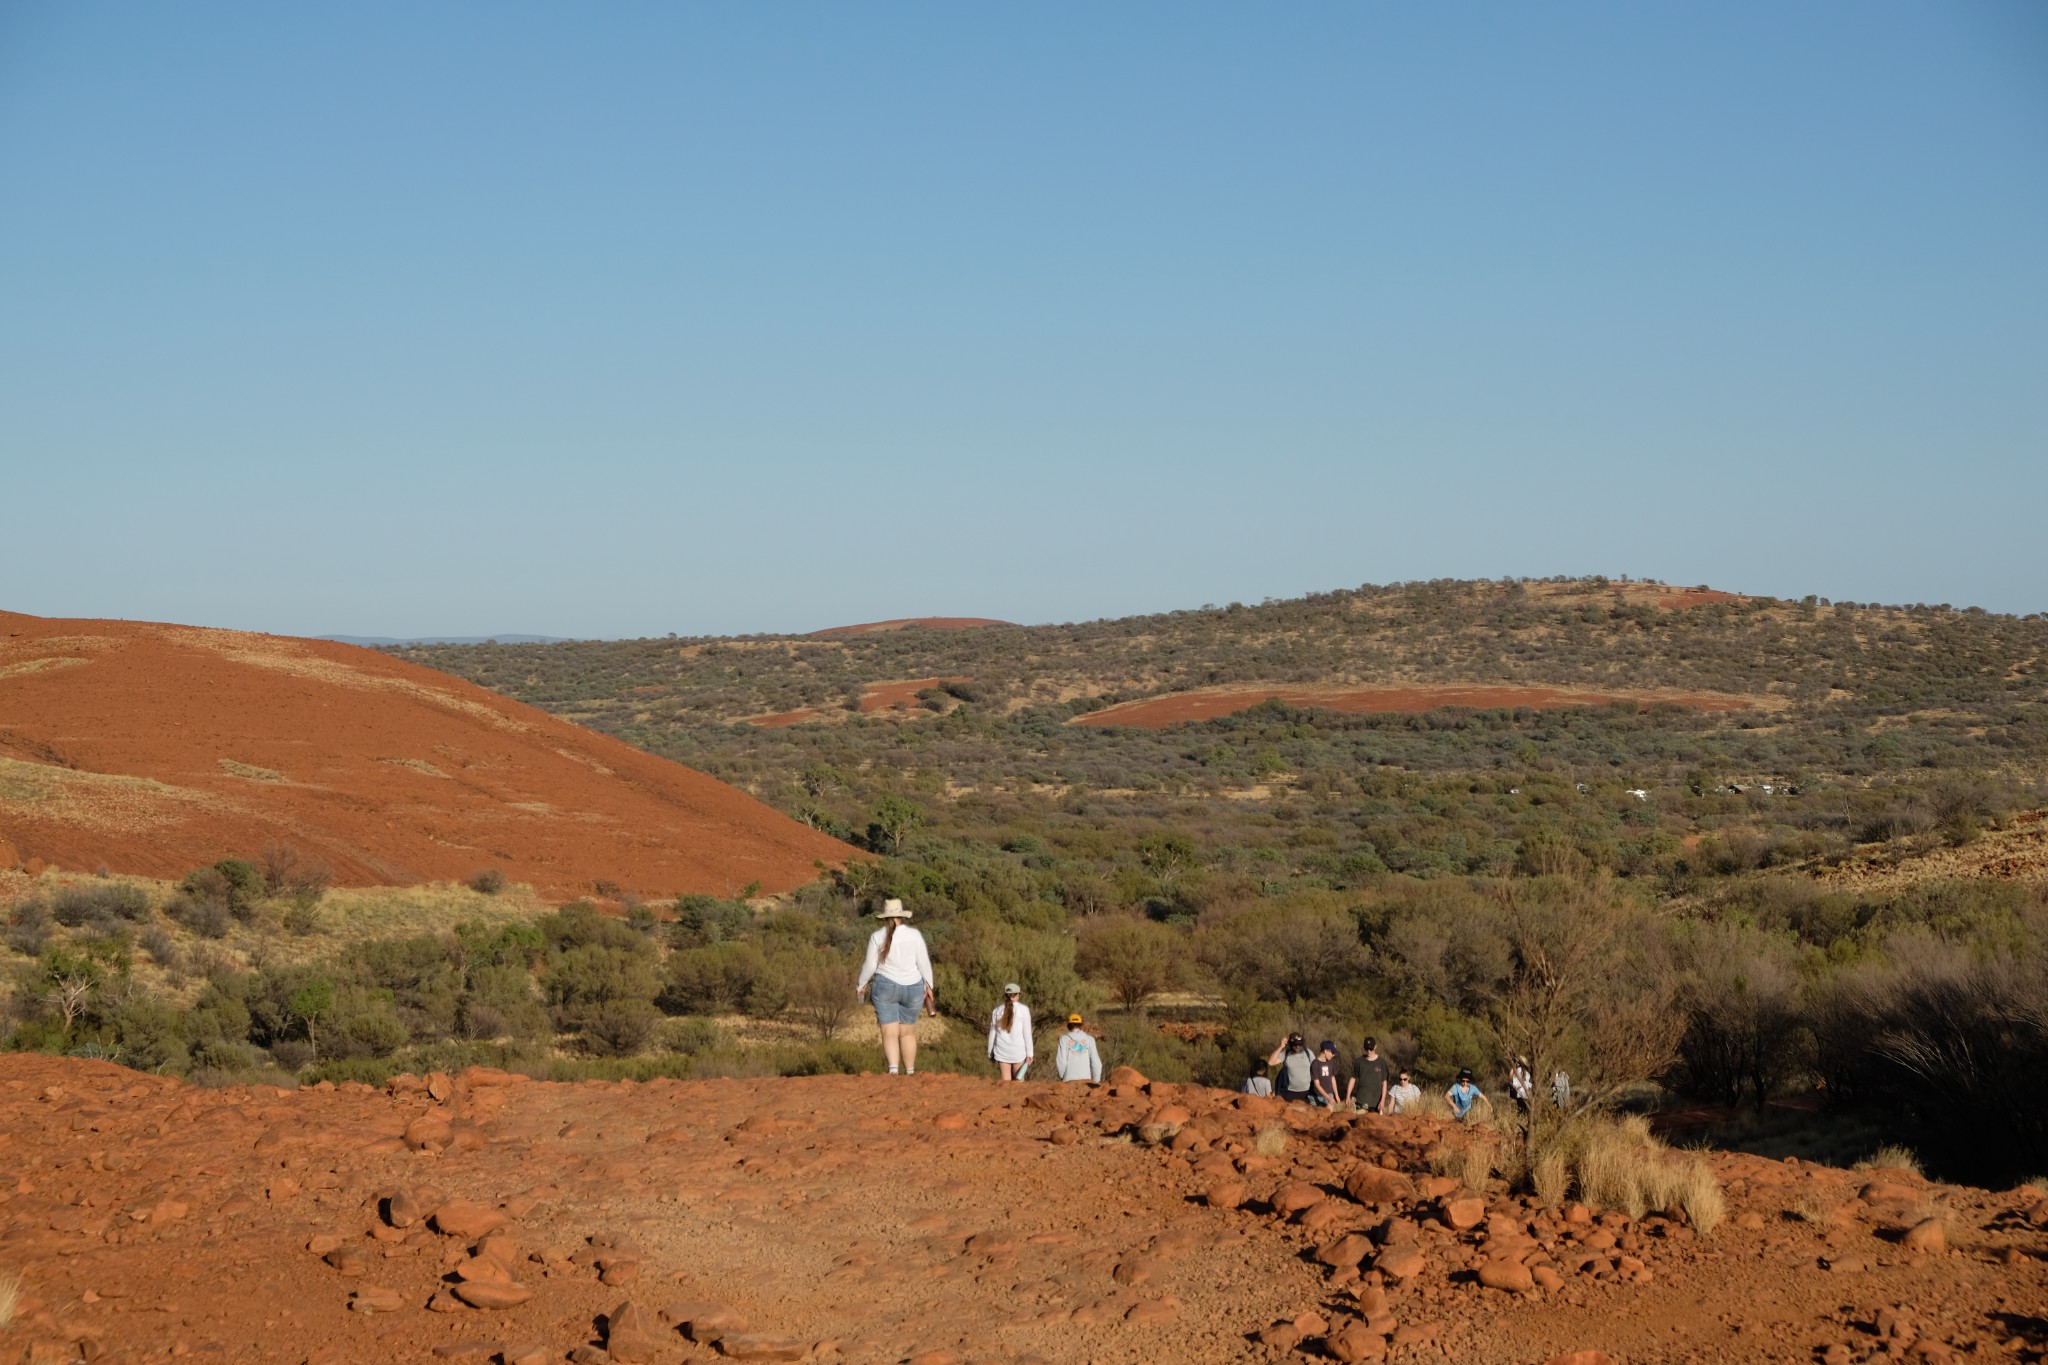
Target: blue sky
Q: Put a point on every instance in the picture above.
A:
(627, 319)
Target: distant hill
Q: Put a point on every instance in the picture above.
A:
(381, 641)
(911, 623)
(153, 749)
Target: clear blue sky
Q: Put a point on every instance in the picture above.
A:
(627, 319)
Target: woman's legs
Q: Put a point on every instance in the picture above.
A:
(1007, 1070)
(907, 1039)
(892, 1044)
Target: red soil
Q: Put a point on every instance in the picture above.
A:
(881, 696)
(924, 622)
(1156, 713)
(930, 1219)
(153, 749)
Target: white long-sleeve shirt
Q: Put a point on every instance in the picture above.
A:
(1015, 1045)
(908, 963)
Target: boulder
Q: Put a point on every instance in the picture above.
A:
(492, 1293)
(467, 1219)
(1355, 1341)
(1369, 1184)
(1295, 1196)
(1501, 1273)
(1465, 1213)
(1347, 1250)
(1926, 1238)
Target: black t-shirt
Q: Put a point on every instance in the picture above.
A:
(1371, 1075)
(1322, 1076)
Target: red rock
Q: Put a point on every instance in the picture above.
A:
(1153, 1311)
(1311, 1323)
(701, 1321)
(1281, 1336)
(349, 1260)
(1225, 1194)
(429, 1133)
(936, 1356)
(1512, 1276)
(1926, 1238)
(480, 1268)
(951, 1122)
(628, 1334)
(1356, 1342)
(1437, 1186)
(1127, 1075)
(618, 1271)
(1399, 1263)
(1373, 1185)
(439, 1086)
(1463, 1214)
(524, 1353)
(1295, 1196)
(1547, 1277)
(492, 1293)
(375, 1298)
(1347, 1250)
(323, 1243)
(466, 1219)
(1316, 1217)
(1581, 1358)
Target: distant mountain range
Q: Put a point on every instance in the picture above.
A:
(374, 640)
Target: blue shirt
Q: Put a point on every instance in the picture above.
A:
(1461, 1097)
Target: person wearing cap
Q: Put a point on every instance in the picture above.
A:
(1293, 1059)
(1077, 1059)
(897, 977)
(1009, 1035)
(1463, 1094)
(1322, 1076)
(1368, 1085)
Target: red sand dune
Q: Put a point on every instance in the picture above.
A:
(879, 696)
(925, 622)
(1156, 713)
(152, 749)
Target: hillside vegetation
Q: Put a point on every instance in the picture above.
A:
(1837, 888)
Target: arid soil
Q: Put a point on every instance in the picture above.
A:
(923, 622)
(899, 696)
(152, 749)
(1156, 713)
(927, 1220)
(2019, 852)
(1697, 597)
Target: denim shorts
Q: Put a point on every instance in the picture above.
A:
(896, 1004)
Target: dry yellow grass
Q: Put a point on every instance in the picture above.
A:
(1271, 1141)
(1891, 1157)
(10, 1298)
(1551, 1178)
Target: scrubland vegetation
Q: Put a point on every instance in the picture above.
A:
(1466, 885)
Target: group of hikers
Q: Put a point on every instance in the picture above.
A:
(897, 980)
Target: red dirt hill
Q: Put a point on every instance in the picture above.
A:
(153, 749)
(901, 623)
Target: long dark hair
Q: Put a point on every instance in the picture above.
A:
(1009, 1012)
(889, 936)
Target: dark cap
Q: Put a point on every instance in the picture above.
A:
(1326, 1046)
(1464, 1073)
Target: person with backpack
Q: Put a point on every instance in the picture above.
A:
(1078, 1059)
(1294, 1081)
(897, 977)
(1368, 1085)
(1463, 1094)
(1258, 1083)
(1009, 1035)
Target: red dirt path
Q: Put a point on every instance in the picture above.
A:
(1156, 713)
(849, 1220)
(923, 622)
(153, 749)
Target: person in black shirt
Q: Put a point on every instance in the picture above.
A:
(1322, 1074)
(1368, 1085)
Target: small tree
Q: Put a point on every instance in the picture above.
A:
(1136, 958)
(893, 820)
(309, 1004)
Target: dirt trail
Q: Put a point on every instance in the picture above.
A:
(152, 749)
(931, 1220)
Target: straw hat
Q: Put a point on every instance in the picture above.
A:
(892, 909)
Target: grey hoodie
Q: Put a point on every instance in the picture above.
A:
(1077, 1059)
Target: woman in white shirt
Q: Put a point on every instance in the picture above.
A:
(1009, 1035)
(899, 968)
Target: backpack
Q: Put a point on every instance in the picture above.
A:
(1294, 1071)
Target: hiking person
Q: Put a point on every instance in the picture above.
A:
(1009, 1034)
(1561, 1089)
(1367, 1087)
(897, 977)
(1292, 1082)
(1521, 1084)
(1077, 1058)
(1322, 1076)
(1403, 1096)
(1463, 1093)
(1257, 1083)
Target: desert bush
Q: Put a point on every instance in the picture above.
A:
(74, 906)
(820, 991)
(489, 882)
(593, 985)
(161, 947)
(618, 1028)
(1740, 992)
(202, 915)
(28, 928)
(287, 872)
(1135, 959)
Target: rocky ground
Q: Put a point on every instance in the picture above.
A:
(928, 1219)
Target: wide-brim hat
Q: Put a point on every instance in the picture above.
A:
(892, 909)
